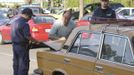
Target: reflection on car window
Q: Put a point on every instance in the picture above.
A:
(36, 11)
(113, 48)
(125, 12)
(87, 44)
(43, 19)
(132, 12)
(128, 57)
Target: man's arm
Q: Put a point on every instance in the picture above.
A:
(27, 34)
(53, 33)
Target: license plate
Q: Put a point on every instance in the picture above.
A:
(47, 30)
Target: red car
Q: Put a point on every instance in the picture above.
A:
(40, 25)
(84, 21)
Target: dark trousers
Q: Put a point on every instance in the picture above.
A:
(20, 59)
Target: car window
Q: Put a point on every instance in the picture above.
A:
(128, 56)
(125, 12)
(86, 44)
(35, 10)
(44, 19)
(113, 48)
(132, 12)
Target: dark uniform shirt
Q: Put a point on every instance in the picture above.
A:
(20, 30)
(103, 14)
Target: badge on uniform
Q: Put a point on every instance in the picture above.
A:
(109, 14)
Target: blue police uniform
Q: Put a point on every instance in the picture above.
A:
(103, 14)
(20, 33)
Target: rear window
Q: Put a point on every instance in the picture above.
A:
(36, 10)
(44, 19)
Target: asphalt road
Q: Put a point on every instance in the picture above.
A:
(6, 59)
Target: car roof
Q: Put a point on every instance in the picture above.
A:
(44, 15)
(123, 31)
(126, 7)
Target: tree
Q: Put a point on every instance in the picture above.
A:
(28, 1)
(81, 9)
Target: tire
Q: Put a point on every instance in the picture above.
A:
(1, 39)
(57, 73)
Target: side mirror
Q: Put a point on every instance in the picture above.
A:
(65, 47)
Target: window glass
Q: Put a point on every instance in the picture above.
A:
(75, 47)
(113, 48)
(128, 57)
(87, 44)
(43, 19)
(125, 12)
(133, 12)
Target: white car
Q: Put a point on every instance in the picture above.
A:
(125, 12)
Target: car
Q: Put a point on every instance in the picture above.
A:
(46, 11)
(97, 50)
(35, 9)
(56, 12)
(85, 20)
(3, 19)
(40, 26)
(125, 13)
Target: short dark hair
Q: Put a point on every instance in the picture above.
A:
(70, 11)
(27, 11)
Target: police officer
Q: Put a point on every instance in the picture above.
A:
(20, 33)
(103, 12)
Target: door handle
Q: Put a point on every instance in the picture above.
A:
(67, 60)
(99, 69)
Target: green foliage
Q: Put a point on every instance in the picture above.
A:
(75, 3)
(1, 5)
(72, 3)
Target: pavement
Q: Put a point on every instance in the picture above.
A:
(6, 59)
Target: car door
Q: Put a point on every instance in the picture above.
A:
(82, 55)
(6, 32)
(116, 56)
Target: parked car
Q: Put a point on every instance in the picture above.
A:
(56, 12)
(125, 13)
(36, 9)
(85, 20)
(3, 19)
(46, 11)
(91, 52)
(40, 25)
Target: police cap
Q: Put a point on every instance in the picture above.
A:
(27, 11)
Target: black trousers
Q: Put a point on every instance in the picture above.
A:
(20, 59)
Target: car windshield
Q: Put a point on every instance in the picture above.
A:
(44, 19)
